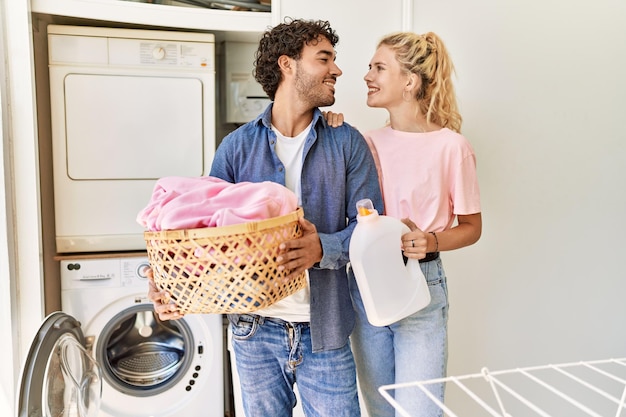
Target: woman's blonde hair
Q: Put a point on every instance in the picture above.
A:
(426, 56)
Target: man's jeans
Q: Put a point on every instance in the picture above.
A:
(273, 354)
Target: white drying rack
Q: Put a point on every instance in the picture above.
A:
(594, 388)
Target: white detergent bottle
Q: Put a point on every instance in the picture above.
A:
(390, 289)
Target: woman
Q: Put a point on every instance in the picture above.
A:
(427, 171)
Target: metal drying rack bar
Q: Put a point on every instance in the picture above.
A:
(592, 388)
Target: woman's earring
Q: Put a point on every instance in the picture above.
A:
(403, 95)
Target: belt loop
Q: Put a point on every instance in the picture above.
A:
(256, 319)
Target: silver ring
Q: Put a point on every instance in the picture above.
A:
(412, 243)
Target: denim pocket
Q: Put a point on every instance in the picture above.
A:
(244, 328)
(435, 277)
(434, 282)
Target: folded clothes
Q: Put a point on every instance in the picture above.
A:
(194, 202)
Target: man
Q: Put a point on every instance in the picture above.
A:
(303, 338)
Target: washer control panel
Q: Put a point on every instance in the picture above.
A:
(105, 272)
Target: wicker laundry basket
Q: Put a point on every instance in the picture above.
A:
(228, 269)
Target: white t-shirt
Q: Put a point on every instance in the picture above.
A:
(296, 307)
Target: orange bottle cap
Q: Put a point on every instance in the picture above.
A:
(364, 211)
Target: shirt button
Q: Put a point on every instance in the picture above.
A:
(280, 169)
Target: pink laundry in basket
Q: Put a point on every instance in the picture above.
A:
(195, 202)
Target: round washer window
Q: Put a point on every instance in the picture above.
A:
(141, 355)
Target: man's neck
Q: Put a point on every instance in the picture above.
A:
(290, 119)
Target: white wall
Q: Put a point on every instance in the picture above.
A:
(20, 236)
(542, 90)
(7, 378)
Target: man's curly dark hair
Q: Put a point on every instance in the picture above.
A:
(289, 39)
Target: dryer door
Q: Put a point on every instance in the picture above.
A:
(59, 376)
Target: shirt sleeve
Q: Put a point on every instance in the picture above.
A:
(466, 191)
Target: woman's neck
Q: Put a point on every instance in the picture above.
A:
(408, 122)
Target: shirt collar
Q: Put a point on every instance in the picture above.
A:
(265, 118)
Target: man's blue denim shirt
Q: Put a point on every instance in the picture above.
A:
(338, 170)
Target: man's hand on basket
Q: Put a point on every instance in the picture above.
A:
(163, 306)
(300, 254)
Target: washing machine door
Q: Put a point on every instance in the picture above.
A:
(59, 377)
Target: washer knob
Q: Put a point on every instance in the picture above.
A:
(141, 270)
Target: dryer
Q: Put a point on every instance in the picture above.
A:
(127, 107)
(148, 367)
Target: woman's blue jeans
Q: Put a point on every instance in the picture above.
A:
(412, 349)
(273, 354)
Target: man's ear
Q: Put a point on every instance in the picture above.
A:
(285, 63)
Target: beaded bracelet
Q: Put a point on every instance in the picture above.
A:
(436, 241)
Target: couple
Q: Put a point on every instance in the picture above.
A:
(427, 173)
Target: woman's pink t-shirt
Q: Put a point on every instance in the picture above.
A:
(428, 177)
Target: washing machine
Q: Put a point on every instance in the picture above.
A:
(148, 367)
